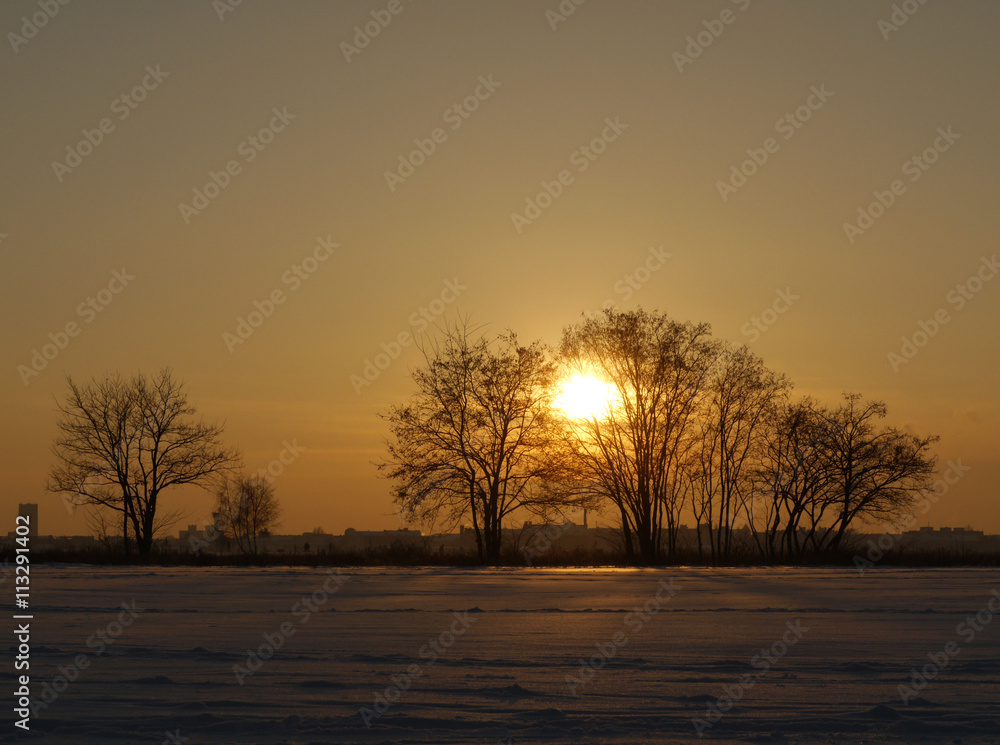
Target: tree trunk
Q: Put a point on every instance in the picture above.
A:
(144, 544)
(144, 535)
(626, 537)
(480, 551)
(125, 531)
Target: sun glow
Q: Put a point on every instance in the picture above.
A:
(584, 397)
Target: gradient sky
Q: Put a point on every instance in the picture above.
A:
(551, 92)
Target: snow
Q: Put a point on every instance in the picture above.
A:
(509, 644)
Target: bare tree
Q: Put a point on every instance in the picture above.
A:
(247, 509)
(633, 455)
(821, 470)
(793, 488)
(122, 442)
(877, 472)
(103, 525)
(696, 425)
(473, 441)
(740, 392)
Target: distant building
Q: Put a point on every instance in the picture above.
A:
(30, 511)
(367, 540)
(949, 539)
(48, 542)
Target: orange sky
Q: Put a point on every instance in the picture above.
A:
(187, 170)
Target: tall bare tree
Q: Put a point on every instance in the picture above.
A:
(246, 508)
(473, 441)
(793, 493)
(740, 392)
(633, 454)
(121, 442)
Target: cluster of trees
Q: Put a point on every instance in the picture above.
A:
(123, 441)
(697, 429)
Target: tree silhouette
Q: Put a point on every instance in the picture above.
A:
(473, 441)
(122, 442)
(633, 456)
(822, 470)
(697, 428)
(247, 509)
(877, 473)
(740, 391)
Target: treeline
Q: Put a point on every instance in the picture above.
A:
(693, 428)
(405, 556)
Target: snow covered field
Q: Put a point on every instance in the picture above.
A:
(520, 656)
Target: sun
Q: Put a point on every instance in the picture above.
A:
(585, 397)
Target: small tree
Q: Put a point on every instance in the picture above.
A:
(122, 442)
(247, 509)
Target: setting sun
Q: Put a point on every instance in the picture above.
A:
(584, 397)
